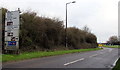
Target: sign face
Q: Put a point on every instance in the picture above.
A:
(12, 30)
(100, 45)
(11, 43)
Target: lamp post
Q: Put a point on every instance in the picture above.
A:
(66, 24)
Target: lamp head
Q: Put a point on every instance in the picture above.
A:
(73, 2)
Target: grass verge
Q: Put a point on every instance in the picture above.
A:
(30, 55)
(117, 67)
(111, 46)
(0, 58)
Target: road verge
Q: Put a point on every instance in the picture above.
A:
(38, 54)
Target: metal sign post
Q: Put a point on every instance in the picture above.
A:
(12, 30)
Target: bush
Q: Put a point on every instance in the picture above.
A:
(45, 33)
(78, 39)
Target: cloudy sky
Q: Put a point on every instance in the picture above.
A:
(101, 16)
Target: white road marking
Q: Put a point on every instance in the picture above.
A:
(74, 61)
(115, 62)
(93, 55)
(101, 52)
(110, 50)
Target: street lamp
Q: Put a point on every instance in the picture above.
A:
(66, 24)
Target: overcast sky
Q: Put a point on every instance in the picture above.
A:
(101, 16)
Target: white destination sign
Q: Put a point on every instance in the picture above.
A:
(12, 30)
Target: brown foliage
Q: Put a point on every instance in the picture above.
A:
(41, 33)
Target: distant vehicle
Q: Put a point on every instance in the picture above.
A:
(100, 45)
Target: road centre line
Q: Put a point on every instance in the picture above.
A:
(93, 55)
(83, 58)
(110, 50)
(74, 61)
(101, 52)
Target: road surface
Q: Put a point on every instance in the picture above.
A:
(104, 58)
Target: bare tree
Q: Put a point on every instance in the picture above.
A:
(113, 40)
(86, 29)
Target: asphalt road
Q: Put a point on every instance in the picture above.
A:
(94, 59)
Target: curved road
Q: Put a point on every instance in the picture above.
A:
(104, 58)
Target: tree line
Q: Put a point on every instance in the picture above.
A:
(44, 33)
(114, 40)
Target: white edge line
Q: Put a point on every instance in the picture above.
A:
(115, 62)
(74, 61)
